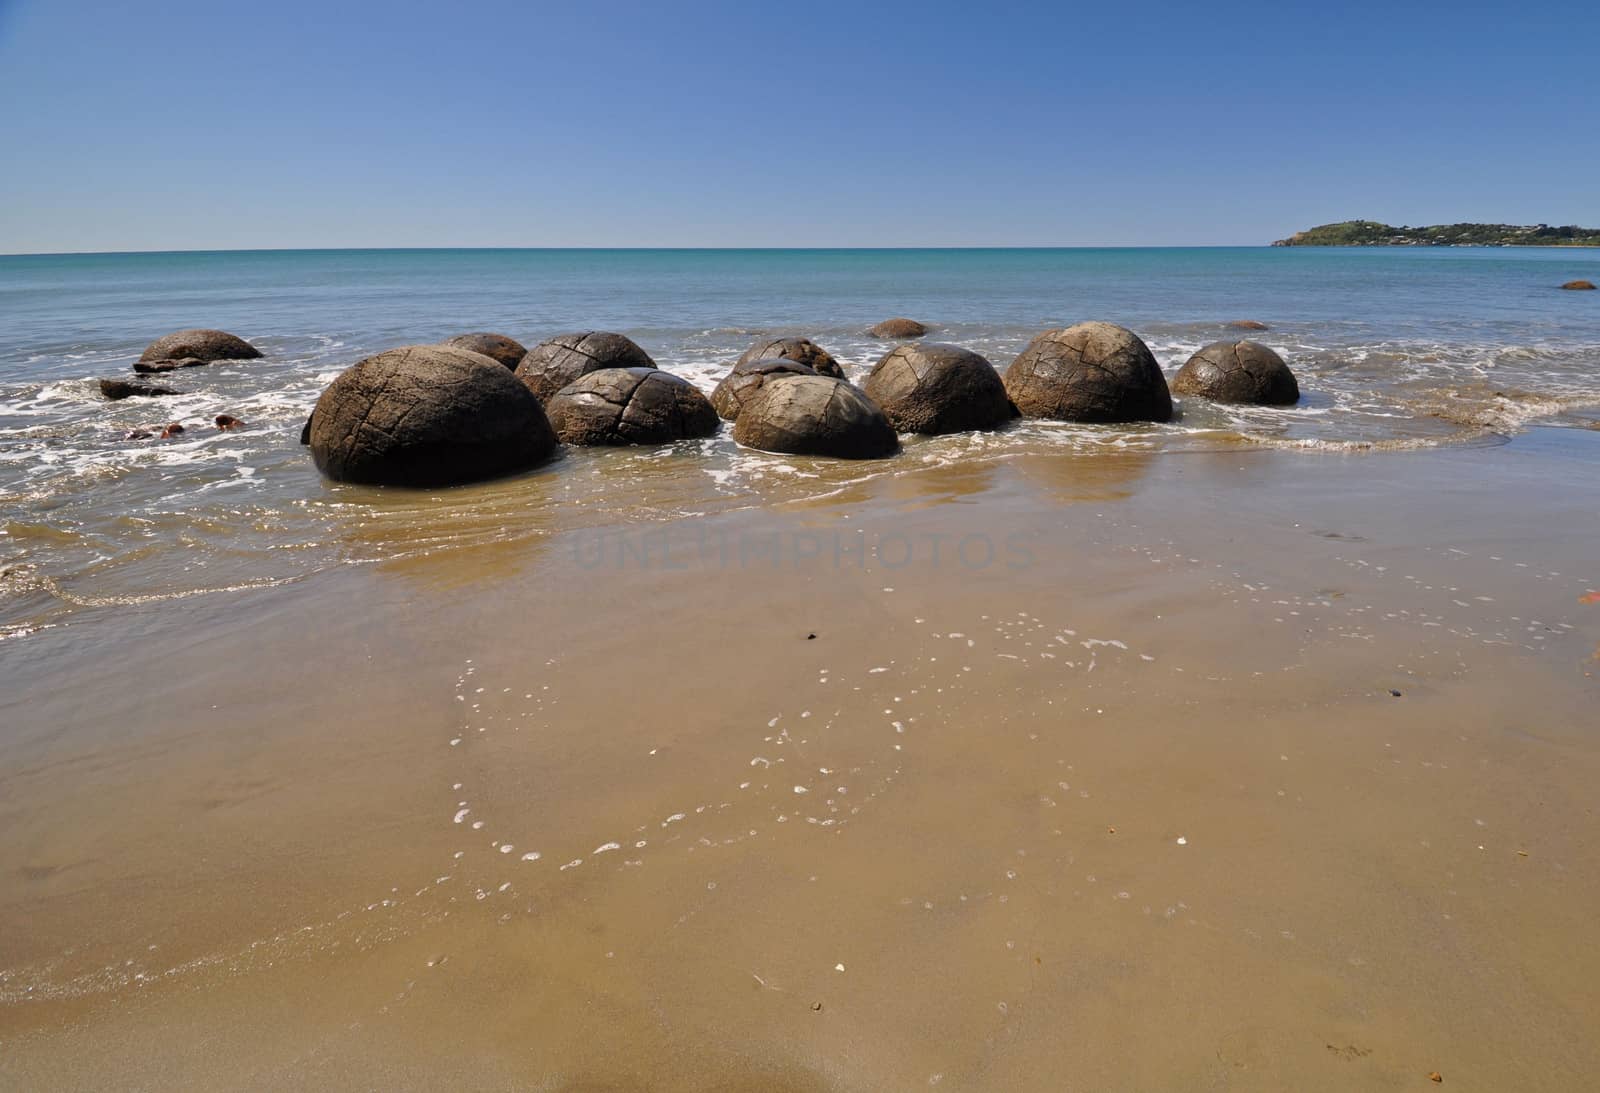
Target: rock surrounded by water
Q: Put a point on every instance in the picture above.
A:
(1580, 286)
(551, 365)
(116, 390)
(747, 377)
(616, 406)
(815, 415)
(898, 328)
(803, 350)
(935, 388)
(1093, 372)
(1238, 371)
(427, 415)
(201, 345)
(498, 347)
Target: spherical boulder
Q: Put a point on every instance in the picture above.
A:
(935, 388)
(497, 347)
(1238, 372)
(803, 350)
(738, 386)
(1248, 324)
(1580, 286)
(201, 345)
(427, 415)
(1096, 372)
(550, 366)
(616, 406)
(814, 415)
(898, 328)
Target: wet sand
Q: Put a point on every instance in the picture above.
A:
(1093, 777)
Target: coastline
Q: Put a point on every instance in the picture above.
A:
(275, 868)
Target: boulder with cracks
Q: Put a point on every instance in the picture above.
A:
(616, 406)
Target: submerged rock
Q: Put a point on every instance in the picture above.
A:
(740, 385)
(173, 429)
(802, 350)
(227, 422)
(815, 415)
(149, 367)
(1248, 324)
(898, 328)
(614, 406)
(936, 388)
(427, 415)
(116, 390)
(1244, 371)
(1096, 372)
(204, 346)
(551, 365)
(497, 347)
(1582, 286)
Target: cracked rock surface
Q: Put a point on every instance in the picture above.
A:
(615, 406)
(740, 385)
(802, 350)
(1089, 372)
(427, 415)
(497, 347)
(1242, 371)
(815, 415)
(204, 346)
(551, 365)
(936, 388)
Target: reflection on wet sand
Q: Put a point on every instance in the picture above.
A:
(1274, 772)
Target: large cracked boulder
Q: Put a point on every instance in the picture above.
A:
(741, 384)
(1230, 371)
(801, 350)
(936, 388)
(615, 406)
(550, 366)
(427, 415)
(815, 415)
(895, 329)
(200, 345)
(1096, 372)
(497, 347)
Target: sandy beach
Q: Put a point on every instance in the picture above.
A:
(1230, 769)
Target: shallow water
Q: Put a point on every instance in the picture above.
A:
(1252, 752)
(1093, 776)
(1394, 348)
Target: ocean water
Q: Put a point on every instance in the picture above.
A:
(1395, 349)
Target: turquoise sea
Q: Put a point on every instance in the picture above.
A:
(1395, 349)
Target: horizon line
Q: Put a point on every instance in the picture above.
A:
(916, 247)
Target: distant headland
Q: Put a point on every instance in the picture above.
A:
(1370, 233)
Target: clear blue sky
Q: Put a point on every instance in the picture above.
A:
(143, 124)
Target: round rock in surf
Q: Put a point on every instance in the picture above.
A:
(895, 329)
(815, 415)
(427, 415)
(497, 347)
(200, 345)
(1242, 372)
(550, 366)
(1093, 372)
(935, 388)
(615, 406)
(747, 377)
(801, 350)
